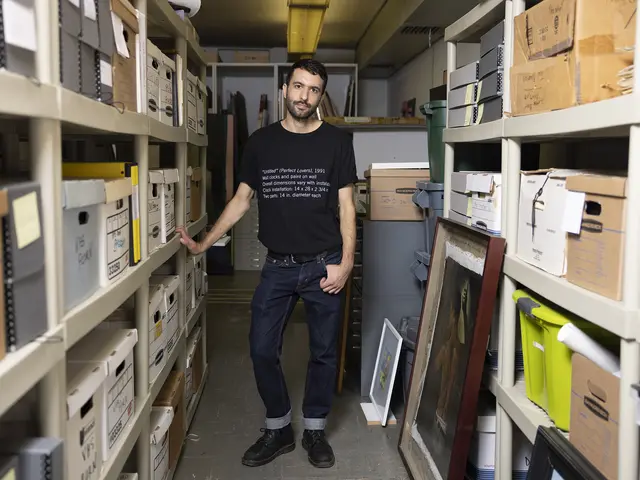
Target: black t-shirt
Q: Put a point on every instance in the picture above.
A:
(296, 177)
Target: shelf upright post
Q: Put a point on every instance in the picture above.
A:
(202, 151)
(449, 147)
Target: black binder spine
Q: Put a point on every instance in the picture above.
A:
(9, 304)
(3, 44)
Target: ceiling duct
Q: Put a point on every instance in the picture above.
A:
(304, 26)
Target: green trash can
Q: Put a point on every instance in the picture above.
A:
(436, 113)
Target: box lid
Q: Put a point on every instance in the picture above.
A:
(110, 347)
(192, 78)
(161, 418)
(82, 193)
(156, 176)
(117, 188)
(153, 51)
(170, 175)
(172, 392)
(156, 296)
(168, 62)
(607, 185)
(84, 381)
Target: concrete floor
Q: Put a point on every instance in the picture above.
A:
(231, 413)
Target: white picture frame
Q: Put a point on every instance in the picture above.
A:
(384, 373)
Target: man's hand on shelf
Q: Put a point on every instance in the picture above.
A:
(194, 247)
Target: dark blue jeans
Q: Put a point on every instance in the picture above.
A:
(282, 283)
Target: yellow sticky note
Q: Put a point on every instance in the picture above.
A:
(468, 96)
(468, 116)
(10, 475)
(26, 219)
(480, 112)
(158, 330)
(478, 91)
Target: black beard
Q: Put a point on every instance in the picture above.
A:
(291, 108)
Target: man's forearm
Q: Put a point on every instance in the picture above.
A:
(348, 232)
(232, 213)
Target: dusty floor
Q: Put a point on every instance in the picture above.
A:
(231, 414)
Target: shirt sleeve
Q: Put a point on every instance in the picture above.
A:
(347, 173)
(249, 166)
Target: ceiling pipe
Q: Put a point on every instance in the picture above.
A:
(304, 27)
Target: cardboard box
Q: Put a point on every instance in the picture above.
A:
(154, 62)
(486, 202)
(243, 56)
(167, 91)
(189, 301)
(596, 247)
(171, 178)
(595, 402)
(113, 350)
(196, 194)
(161, 418)
(193, 370)
(81, 200)
(198, 266)
(390, 194)
(115, 231)
(192, 101)
(187, 196)
(157, 338)
(172, 395)
(171, 327)
(201, 110)
(155, 200)
(85, 408)
(594, 37)
(461, 203)
(544, 246)
(125, 76)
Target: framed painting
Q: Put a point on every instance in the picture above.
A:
(384, 373)
(449, 359)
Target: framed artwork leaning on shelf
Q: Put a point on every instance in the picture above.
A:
(450, 350)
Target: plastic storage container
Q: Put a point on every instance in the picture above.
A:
(547, 362)
(436, 116)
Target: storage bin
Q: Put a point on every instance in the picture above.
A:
(547, 362)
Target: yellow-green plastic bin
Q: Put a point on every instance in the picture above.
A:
(547, 362)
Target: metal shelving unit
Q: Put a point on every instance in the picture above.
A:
(609, 118)
(52, 111)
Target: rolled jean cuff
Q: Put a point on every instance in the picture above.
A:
(281, 422)
(314, 423)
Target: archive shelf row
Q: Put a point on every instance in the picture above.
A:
(617, 117)
(51, 115)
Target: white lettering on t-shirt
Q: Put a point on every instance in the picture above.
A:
(294, 183)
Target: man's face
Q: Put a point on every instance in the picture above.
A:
(303, 94)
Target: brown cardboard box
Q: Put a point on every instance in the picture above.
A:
(391, 194)
(595, 257)
(196, 205)
(594, 45)
(543, 85)
(4, 210)
(198, 369)
(595, 400)
(544, 30)
(125, 84)
(172, 395)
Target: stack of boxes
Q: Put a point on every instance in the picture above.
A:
(161, 420)
(23, 310)
(463, 85)
(476, 200)
(161, 206)
(196, 104)
(582, 59)
(161, 86)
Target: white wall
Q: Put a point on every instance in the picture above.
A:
(424, 72)
(373, 98)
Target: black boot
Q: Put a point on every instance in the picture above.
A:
(269, 446)
(320, 452)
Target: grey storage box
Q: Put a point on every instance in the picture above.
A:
(18, 43)
(70, 21)
(89, 71)
(490, 86)
(24, 267)
(463, 96)
(492, 61)
(38, 458)
(492, 39)
(461, 203)
(105, 29)
(464, 75)
(461, 117)
(490, 110)
(80, 218)
(69, 61)
(89, 18)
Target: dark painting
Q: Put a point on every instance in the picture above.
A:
(437, 416)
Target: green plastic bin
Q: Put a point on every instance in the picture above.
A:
(436, 114)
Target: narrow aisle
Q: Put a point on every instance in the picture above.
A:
(231, 414)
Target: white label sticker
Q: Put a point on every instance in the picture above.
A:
(90, 10)
(26, 219)
(573, 208)
(19, 25)
(118, 33)
(106, 73)
(538, 346)
(117, 242)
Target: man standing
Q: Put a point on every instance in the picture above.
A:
(302, 171)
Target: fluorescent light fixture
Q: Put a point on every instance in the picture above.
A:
(305, 25)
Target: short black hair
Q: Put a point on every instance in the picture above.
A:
(312, 66)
